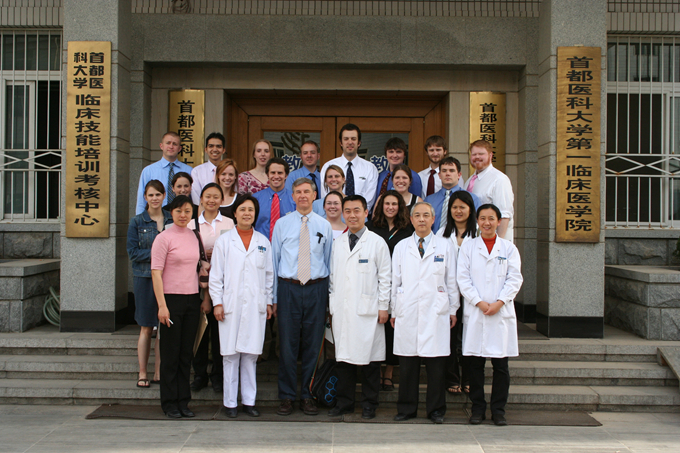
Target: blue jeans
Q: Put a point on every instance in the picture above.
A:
(302, 312)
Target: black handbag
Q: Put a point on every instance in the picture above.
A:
(325, 379)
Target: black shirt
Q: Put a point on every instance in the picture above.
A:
(391, 237)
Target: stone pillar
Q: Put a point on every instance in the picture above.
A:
(94, 271)
(570, 277)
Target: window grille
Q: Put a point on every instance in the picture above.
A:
(30, 116)
(643, 132)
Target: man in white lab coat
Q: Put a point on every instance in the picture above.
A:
(489, 278)
(360, 283)
(424, 303)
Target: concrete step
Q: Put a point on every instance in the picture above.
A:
(573, 397)
(523, 372)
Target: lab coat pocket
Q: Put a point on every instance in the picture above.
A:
(399, 301)
(262, 301)
(261, 260)
(228, 302)
(442, 302)
(331, 303)
(368, 305)
(507, 311)
(438, 266)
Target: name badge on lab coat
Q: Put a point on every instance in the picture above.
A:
(439, 258)
(363, 261)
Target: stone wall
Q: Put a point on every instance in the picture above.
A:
(34, 244)
(632, 247)
(644, 300)
(24, 286)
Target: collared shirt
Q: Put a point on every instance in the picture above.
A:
(365, 177)
(425, 178)
(158, 170)
(415, 188)
(202, 175)
(493, 186)
(437, 200)
(302, 172)
(211, 231)
(426, 240)
(286, 244)
(264, 197)
(358, 234)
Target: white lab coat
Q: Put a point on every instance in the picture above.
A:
(424, 295)
(488, 277)
(453, 239)
(242, 281)
(359, 286)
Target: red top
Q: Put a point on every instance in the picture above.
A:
(489, 243)
(245, 236)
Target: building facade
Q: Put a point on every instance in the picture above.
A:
(288, 69)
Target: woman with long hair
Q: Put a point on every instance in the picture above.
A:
(402, 178)
(141, 233)
(226, 176)
(392, 222)
(181, 185)
(255, 179)
(461, 227)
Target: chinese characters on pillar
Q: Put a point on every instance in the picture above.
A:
(578, 144)
(88, 138)
(487, 122)
(186, 117)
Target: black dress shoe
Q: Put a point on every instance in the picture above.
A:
(199, 383)
(173, 413)
(404, 417)
(499, 420)
(251, 410)
(437, 417)
(230, 412)
(187, 413)
(368, 413)
(477, 419)
(337, 411)
(217, 385)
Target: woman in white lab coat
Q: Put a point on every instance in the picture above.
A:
(461, 227)
(241, 288)
(489, 278)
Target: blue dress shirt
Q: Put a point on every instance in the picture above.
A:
(264, 197)
(158, 170)
(426, 239)
(317, 207)
(302, 172)
(416, 184)
(437, 199)
(286, 244)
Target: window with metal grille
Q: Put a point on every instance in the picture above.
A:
(30, 115)
(643, 132)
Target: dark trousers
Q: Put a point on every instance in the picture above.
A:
(301, 312)
(457, 368)
(347, 384)
(409, 381)
(177, 349)
(200, 362)
(499, 388)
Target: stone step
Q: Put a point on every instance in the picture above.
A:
(523, 372)
(573, 397)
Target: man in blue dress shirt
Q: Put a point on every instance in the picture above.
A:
(301, 250)
(274, 195)
(395, 152)
(449, 173)
(163, 170)
(309, 154)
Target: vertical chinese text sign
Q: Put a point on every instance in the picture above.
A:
(186, 117)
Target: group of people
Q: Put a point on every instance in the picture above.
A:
(399, 260)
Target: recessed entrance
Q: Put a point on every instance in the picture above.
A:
(288, 120)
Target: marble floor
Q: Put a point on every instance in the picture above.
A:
(56, 429)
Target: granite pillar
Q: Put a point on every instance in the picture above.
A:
(570, 277)
(94, 271)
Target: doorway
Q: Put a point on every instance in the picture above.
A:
(287, 121)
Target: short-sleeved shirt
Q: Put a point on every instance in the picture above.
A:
(175, 252)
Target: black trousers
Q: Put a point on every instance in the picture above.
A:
(499, 388)
(301, 313)
(347, 384)
(409, 381)
(177, 349)
(457, 367)
(201, 359)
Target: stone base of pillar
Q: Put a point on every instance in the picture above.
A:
(570, 326)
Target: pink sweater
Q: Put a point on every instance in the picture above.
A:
(175, 252)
